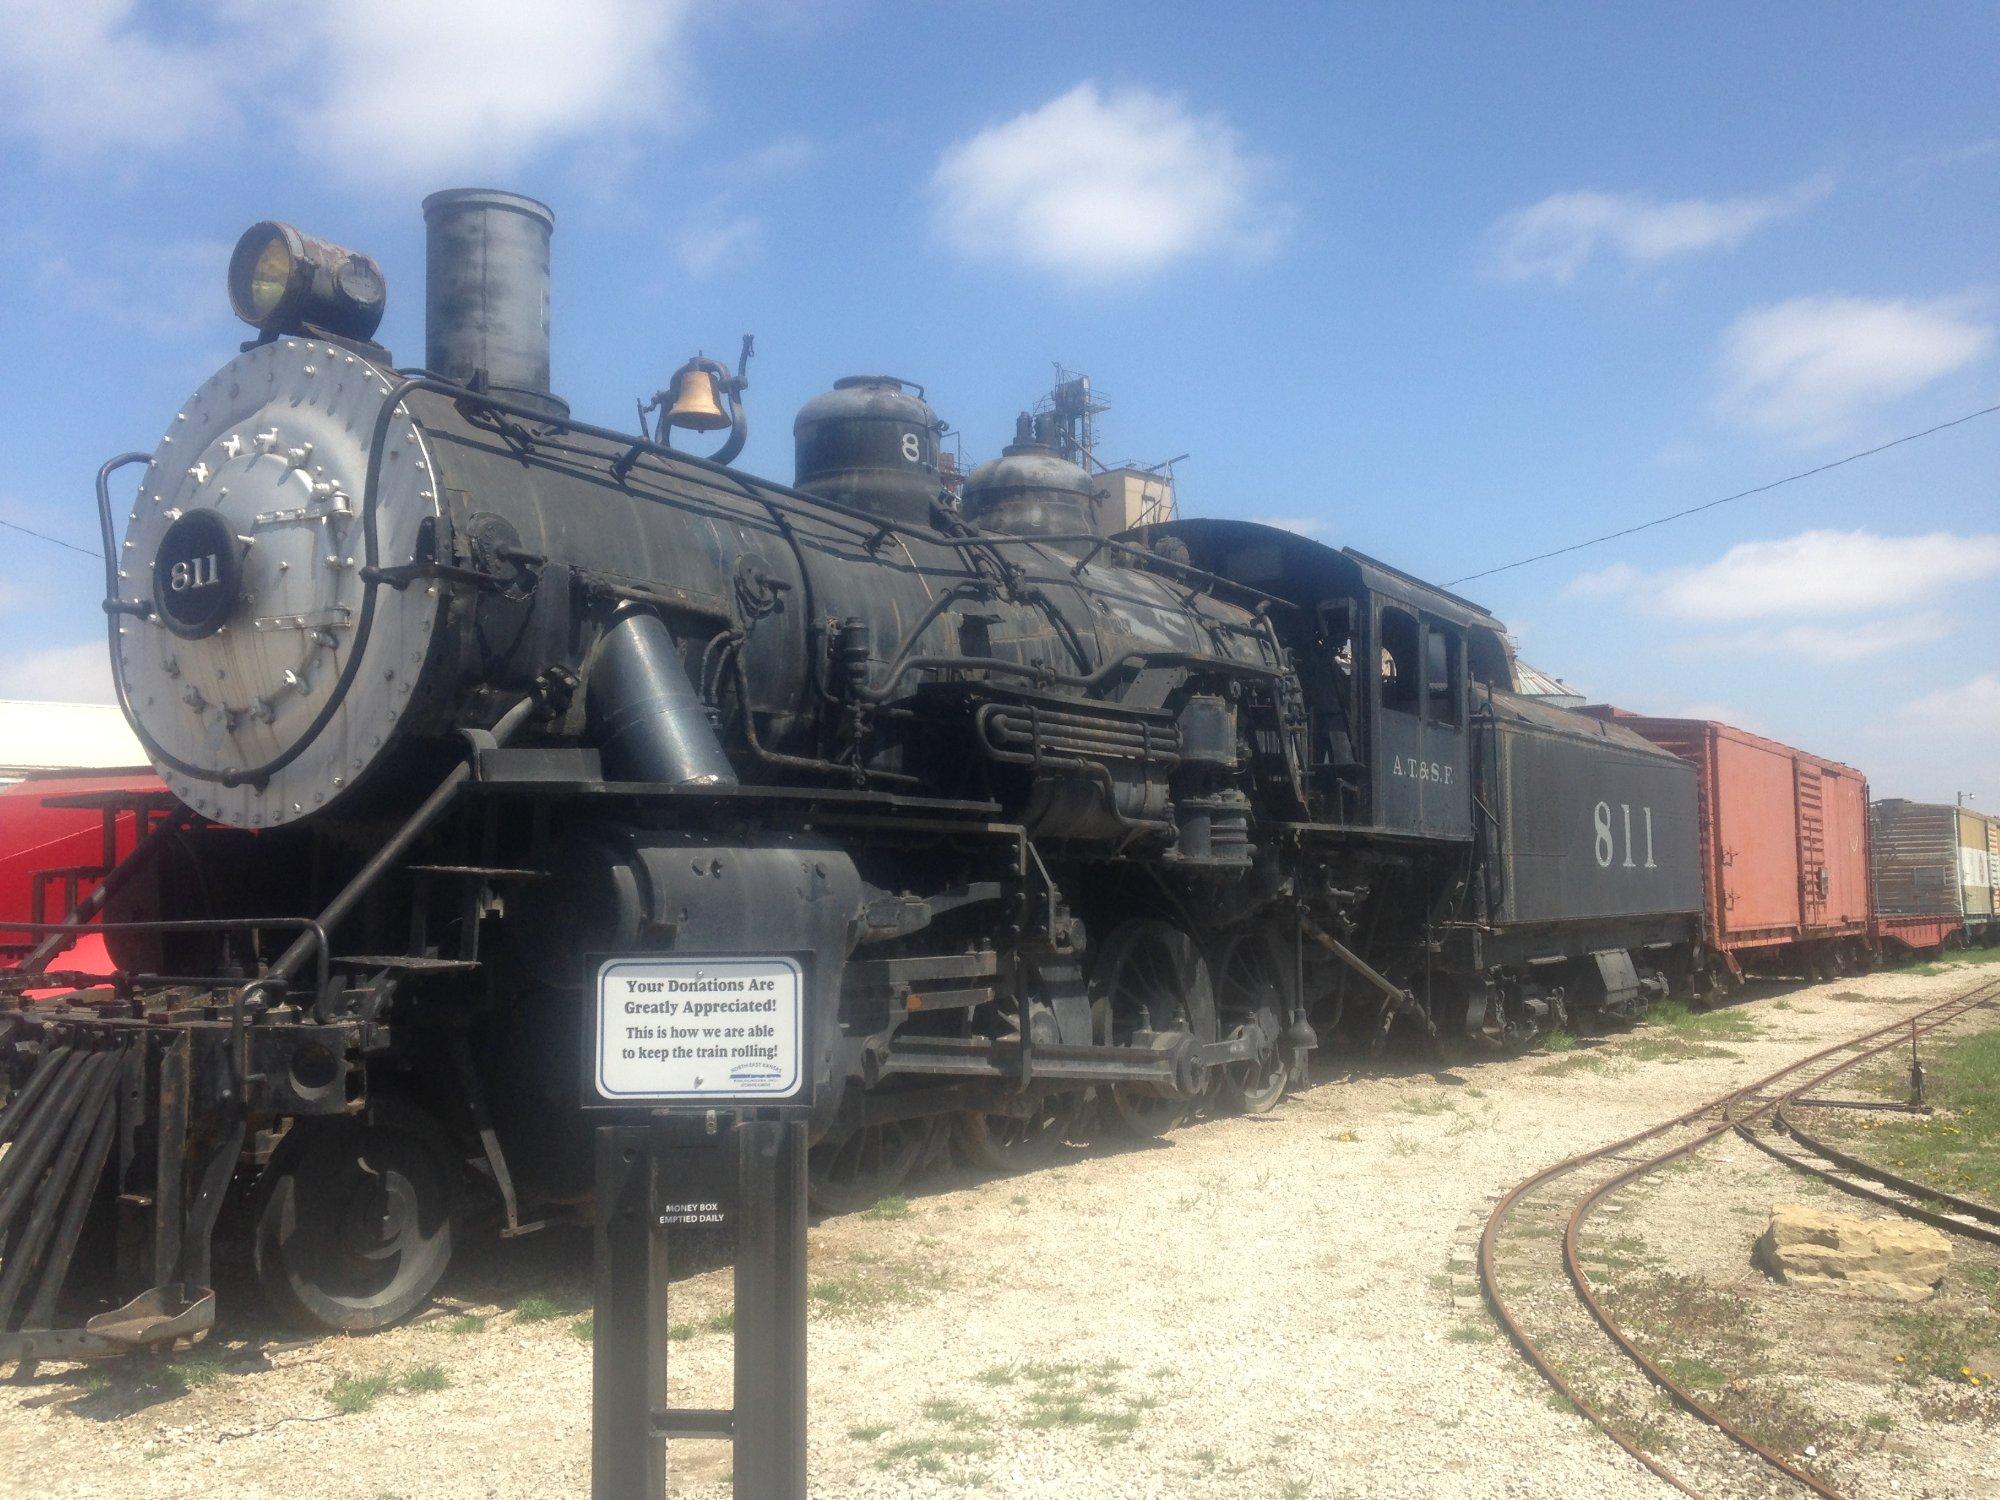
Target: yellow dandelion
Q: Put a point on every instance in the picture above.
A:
(1900, 1360)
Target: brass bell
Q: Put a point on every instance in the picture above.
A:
(695, 406)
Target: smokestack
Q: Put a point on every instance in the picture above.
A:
(486, 298)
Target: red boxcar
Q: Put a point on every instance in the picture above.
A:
(56, 843)
(1784, 838)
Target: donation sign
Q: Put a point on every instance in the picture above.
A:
(697, 1030)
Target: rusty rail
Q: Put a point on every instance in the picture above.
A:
(1717, 1117)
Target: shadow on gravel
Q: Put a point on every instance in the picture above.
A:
(546, 1275)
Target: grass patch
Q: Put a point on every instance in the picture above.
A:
(585, 1329)
(1957, 1148)
(723, 1322)
(931, 1454)
(1694, 1373)
(1470, 1333)
(887, 1283)
(1674, 1031)
(352, 1394)
(537, 1309)
(869, 1433)
(1427, 1104)
(1575, 1062)
(464, 1324)
(178, 1377)
(952, 1414)
(1683, 1019)
(1559, 1041)
(1941, 1346)
(888, 1208)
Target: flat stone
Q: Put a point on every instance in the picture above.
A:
(1875, 1257)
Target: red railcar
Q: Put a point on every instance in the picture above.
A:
(63, 850)
(1784, 837)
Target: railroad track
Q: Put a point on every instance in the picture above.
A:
(1535, 1278)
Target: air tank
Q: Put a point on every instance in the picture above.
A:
(871, 442)
(1030, 489)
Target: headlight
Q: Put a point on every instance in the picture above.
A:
(284, 281)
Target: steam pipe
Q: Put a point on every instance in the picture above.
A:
(644, 715)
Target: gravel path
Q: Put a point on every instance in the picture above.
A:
(1272, 1306)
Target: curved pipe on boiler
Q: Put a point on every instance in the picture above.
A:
(644, 715)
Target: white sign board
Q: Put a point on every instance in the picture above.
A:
(696, 1030)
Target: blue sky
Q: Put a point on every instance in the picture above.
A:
(1448, 284)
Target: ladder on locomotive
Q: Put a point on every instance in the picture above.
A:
(1811, 800)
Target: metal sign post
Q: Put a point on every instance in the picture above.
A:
(708, 1059)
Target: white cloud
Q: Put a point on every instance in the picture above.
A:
(1557, 237)
(1103, 185)
(415, 90)
(707, 247)
(1616, 581)
(1829, 644)
(1822, 573)
(89, 75)
(1972, 710)
(65, 674)
(423, 88)
(1806, 367)
(167, 289)
(1298, 525)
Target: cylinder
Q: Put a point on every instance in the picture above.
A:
(871, 442)
(644, 715)
(486, 298)
(1031, 490)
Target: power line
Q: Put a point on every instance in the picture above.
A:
(44, 536)
(1612, 536)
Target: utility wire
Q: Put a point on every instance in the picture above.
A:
(1612, 536)
(44, 536)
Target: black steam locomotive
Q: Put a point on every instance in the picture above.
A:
(452, 690)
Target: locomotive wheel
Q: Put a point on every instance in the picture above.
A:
(989, 1142)
(1251, 984)
(866, 1165)
(354, 1219)
(1150, 977)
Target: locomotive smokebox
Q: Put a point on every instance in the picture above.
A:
(1031, 490)
(871, 442)
(486, 301)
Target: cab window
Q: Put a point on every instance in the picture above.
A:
(1444, 656)
(1399, 661)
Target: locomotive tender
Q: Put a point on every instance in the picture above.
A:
(451, 690)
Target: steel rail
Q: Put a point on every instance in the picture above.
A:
(1872, 1044)
(1572, 1234)
(1985, 1225)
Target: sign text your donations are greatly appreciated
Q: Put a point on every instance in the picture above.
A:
(688, 1029)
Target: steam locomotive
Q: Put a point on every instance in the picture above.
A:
(451, 690)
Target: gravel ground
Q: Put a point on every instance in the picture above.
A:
(1272, 1306)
